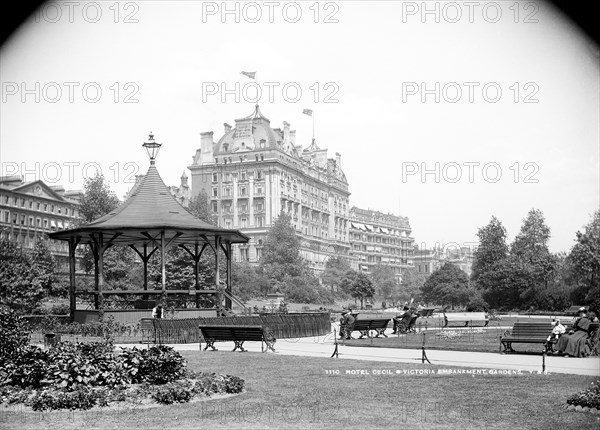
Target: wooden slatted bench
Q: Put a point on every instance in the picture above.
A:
(238, 334)
(466, 318)
(365, 323)
(538, 332)
(426, 312)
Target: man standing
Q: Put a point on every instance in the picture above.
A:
(157, 312)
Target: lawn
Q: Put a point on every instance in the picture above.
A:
(297, 392)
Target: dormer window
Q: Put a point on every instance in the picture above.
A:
(225, 147)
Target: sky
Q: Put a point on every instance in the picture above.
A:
(448, 113)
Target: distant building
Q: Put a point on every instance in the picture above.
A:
(429, 260)
(29, 210)
(378, 238)
(253, 172)
(426, 261)
(182, 193)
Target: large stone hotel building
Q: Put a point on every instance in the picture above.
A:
(253, 172)
(378, 238)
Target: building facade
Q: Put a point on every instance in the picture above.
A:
(428, 261)
(29, 210)
(255, 172)
(378, 238)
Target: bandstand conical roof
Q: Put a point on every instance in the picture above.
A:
(150, 210)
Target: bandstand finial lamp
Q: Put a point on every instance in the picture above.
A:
(152, 147)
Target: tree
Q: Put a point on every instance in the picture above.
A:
(533, 264)
(97, 200)
(25, 276)
(281, 253)
(584, 261)
(248, 282)
(335, 269)
(200, 207)
(492, 250)
(362, 287)
(447, 285)
(491, 270)
(384, 280)
(410, 288)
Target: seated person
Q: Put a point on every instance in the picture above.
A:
(557, 331)
(399, 318)
(574, 343)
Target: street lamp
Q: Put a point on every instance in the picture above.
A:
(152, 148)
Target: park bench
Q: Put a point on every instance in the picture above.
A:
(466, 318)
(538, 332)
(426, 312)
(574, 310)
(364, 323)
(526, 332)
(238, 334)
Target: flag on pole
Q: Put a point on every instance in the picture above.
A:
(308, 112)
(251, 75)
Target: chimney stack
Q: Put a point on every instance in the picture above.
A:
(338, 160)
(227, 128)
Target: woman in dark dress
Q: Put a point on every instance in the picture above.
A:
(574, 343)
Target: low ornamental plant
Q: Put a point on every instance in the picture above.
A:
(589, 397)
(84, 375)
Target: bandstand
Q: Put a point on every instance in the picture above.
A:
(151, 220)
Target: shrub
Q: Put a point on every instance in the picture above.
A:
(14, 334)
(589, 397)
(10, 395)
(162, 364)
(52, 398)
(180, 392)
(234, 384)
(27, 369)
(476, 304)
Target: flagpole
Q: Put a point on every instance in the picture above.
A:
(313, 118)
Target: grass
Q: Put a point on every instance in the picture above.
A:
(298, 392)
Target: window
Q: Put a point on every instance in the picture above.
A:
(52, 208)
(215, 177)
(243, 208)
(22, 203)
(243, 176)
(259, 221)
(215, 192)
(227, 223)
(243, 191)
(244, 254)
(45, 207)
(31, 221)
(38, 205)
(215, 208)
(45, 223)
(38, 222)
(259, 174)
(244, 222)
(258, 253)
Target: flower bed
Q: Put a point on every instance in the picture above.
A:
(83, 375)
(588, 398)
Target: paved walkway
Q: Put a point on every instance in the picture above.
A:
(323, 346)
